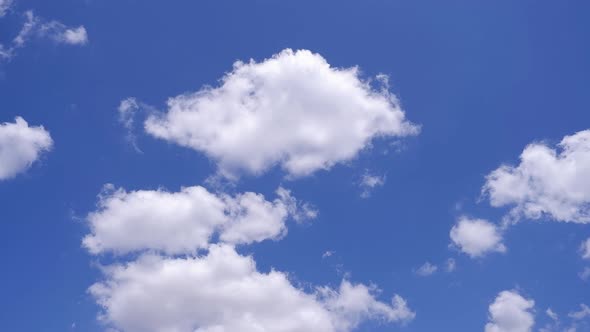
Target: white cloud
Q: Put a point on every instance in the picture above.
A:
(61, 33)
(551, 182)
(31, 22)
(127, 110)
(292, 110)
(583, 313)
(510, 312)
(184, 221)
(35, 26)
(20, 146)
(476, 237)
(4, 6)
(369, 182)
(74, 36)
(223, 291)
(585, 249)
(426, 269)
(551, 314)
(352, 304)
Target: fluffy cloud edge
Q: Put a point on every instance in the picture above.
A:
(510, 312)
(552, 183)
(20, 146)
(295, 97)
(238, 297)
(187, 220)
(476, 237)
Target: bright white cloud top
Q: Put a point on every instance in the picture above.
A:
(548, 182)
(476, 237)
(510, 312)
(223, 291)
(20, 146)
(185, 221)
(292, 110)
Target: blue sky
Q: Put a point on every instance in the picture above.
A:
(481, 81)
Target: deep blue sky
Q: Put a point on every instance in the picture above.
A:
(484, 79)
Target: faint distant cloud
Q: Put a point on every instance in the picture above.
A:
(328, 253)
(369, 182)
(585, 249)
(426, 269)
(551, 314)
(582, 313)
(450, 265)
(4, 6)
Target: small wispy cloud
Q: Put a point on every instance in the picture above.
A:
(328, 253)
(450, 265)
(426, 269)
(35, 26)
(127, 111)
(369, 182)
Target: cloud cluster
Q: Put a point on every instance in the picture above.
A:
(185, 273)
(223, 291)
(293, 110)
(20, 146)
(184, 221)
(476, 237)
(510, 312)
(549, 182)
(219, 291)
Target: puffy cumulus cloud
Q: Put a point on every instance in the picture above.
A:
(292, 110)
(510, 312)
(585, 249)
(550, 182)
(223, 291)
(20, 146)
(184, 221)
(352, 304)
(476, 237)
